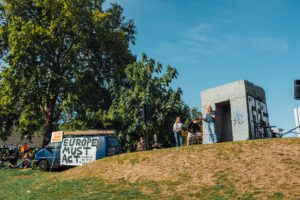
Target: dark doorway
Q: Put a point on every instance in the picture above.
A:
(223, 121)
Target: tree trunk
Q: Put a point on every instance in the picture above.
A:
(48, 112)
(48, 133)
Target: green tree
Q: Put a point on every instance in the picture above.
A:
(148, 86)
(59, 58)
(195, 113)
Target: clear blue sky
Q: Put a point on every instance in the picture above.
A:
(212, 42)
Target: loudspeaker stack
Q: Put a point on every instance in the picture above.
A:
(297, 89)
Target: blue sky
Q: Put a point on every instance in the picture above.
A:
(212, 42)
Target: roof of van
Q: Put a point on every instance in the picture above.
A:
(90, 132)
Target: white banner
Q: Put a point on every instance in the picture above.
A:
(78, 151)
(297, 119)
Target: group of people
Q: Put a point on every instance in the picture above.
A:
(194, 129)
(13, 153)
(142, 145)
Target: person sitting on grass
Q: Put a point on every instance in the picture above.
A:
(3, 159)
(26, 162)
(24, 149)
(13, 159)
(1, 162)
(3, 149)
(194, 131)
(141, 146)
(155, 144)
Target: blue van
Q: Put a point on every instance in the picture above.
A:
(73, 150)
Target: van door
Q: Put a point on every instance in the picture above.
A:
(54, 154)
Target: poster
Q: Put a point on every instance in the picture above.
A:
(78, 151)
(56, 136)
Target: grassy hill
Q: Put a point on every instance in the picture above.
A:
(261, 169)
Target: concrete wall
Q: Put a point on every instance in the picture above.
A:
(15, 138)
(247, 107)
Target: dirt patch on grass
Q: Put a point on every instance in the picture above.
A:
(259, 168)
(168, 164)
(271, 167)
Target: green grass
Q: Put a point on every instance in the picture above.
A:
(17, 184)
(225, 182)
(33, 184)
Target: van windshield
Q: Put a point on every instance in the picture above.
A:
(56, 145)
(113, 142)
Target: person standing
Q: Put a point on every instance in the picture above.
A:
(194, 131)
(177, 128)
(10, 149)
(210, 121)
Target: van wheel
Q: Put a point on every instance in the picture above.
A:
(43, 165)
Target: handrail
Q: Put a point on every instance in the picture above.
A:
(290, 131)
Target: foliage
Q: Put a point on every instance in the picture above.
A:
(67, 65)
(59, 58)
(146, 86)
(194, 113)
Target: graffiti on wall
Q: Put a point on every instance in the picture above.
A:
(258, 118)
(237, 119)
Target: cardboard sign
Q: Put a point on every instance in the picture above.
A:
(56, 136)
(78, 151)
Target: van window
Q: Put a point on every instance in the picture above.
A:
(56, 145)
(113, 142)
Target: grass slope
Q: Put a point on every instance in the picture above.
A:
(261, 169)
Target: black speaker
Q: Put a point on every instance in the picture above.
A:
(297, 89)
(145, 112)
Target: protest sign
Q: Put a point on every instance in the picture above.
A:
(56, 136)
(78, 151)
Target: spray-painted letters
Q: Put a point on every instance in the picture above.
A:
(259, 119)
(78, 151)
(238, 119)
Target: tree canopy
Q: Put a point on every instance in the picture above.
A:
(67, 64)
(58, 59)
(147, 87)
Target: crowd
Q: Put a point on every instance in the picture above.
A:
(15, 156)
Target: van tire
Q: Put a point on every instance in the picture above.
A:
(43, 165)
